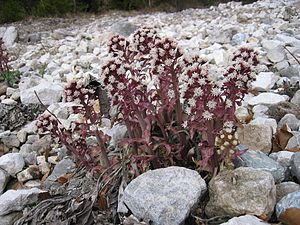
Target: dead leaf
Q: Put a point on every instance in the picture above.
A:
(64, 178)
(281, 138)
(291, 216)
(102, 201)
(295, 149)
(263, 217)
(45, 177)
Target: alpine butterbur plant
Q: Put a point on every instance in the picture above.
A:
(175, 110)
(93, 157)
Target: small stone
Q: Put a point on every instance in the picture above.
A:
(53, 159)
(33, 184)
(275, 50)
(296, 99)
(4, 177)
(292, 200)
(16, 200)
(279, 110)
(256, 137)
(245, 220)
(283, 157)
(242, 114)
(283, 189)
(259, 160)
(10, 36)
(239, 38)
(290, 120)
(260, 111)
(32, 172)
(295, 165)
(265, 121)
(265, 81)
(294, 141)
(12, 163)
(63, 167)
(164, 196)
(8, 101)
(9, 219)
(32, 138)
(22, 136)
(47, 91)
(124, 28)
(9, 139)
(247, 191)
(267, 99)
(44, 166)
(3, 88)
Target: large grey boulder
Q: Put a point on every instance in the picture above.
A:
(259, 160)
(292, 200)
(12, 163)
(241, 191)
(16, 200)
(295, 166)
(285, 188)
(245, 220)
(164, 196)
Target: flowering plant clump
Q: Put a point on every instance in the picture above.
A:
(175, 110)
(91, 156)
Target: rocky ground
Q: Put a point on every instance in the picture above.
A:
(41, 184)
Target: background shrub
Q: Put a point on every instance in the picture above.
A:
(11, 10)
(14, 10)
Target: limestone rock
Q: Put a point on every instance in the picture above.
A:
(245, 220)
(291, 120)
(12, 163)
(296, 99)
(285, 188)
(30, 173)
(13, 200)
(9, 139)
(47, 91)
(10, 36)
(4, 177)
(295, 165)
(292, 200)
(265, 81)
(294, 142)
(275, 50)
(265, 121)
(63, 167)
(282, 157)
(257, 137)
(259, 160)
(267, 99)
(248, 191)
(164, 196)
